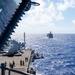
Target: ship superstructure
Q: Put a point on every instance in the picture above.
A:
(11, 25)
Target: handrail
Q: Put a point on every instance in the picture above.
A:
(3, 68)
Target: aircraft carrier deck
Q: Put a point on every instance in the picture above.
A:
(26, 58)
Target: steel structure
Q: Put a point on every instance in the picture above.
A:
(23, 7)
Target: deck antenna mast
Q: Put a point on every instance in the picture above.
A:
(24, 41)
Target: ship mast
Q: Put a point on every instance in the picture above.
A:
(24, 41)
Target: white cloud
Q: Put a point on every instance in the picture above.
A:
(65, 5)
(44, 14)
(42, 18)
(73, 22)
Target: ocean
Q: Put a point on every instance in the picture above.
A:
(59, 53)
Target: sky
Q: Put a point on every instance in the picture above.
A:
(57, 16)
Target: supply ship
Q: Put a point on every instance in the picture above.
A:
(50, 35)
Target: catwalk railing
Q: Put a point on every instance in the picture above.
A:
(4, 68)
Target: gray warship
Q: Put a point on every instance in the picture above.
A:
(50, 35)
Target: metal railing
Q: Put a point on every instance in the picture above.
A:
(4, 68)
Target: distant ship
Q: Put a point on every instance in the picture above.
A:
(50, 35)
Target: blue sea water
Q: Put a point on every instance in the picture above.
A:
(59, 53)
